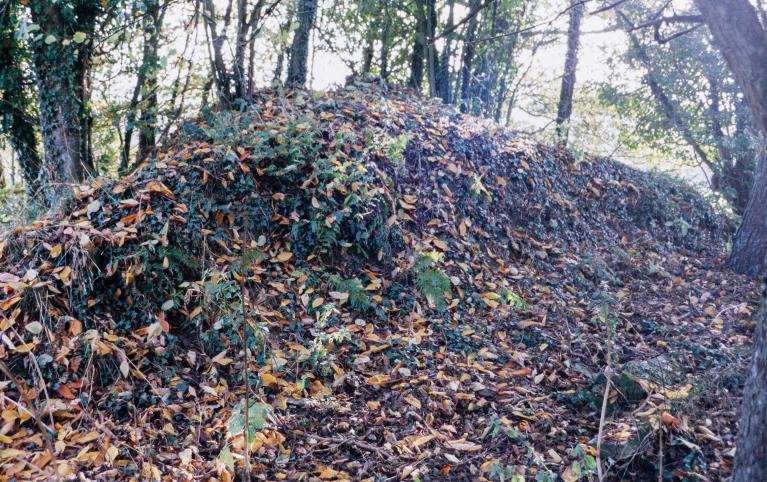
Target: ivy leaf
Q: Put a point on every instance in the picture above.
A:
(50, 39)
(226, 458)
(79, 37)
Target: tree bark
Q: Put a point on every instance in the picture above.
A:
(749, 247)
(739, 35)
(299, 50)
(565, 106)
(469, 49)
(751, 455)
(419, 46)
(443, 72)
(62, 71)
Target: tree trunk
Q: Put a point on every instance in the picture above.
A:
(469, 49)
(282, 48)
(15, 106)
(62, 72)
(299, 50)
(565, 107)
(751, 455)
(443, 73)
(419, 47)
(749, 247)
(385, 41)
(739, 35)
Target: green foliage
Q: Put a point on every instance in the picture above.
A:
(394, 147)
(431, 281)
(512, 299)
(358, 298)
(258, 413)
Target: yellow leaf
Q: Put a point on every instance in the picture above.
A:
(413, 401)
(282, 257)
(379, 379)
(55, 251)
(268, 379)
(112, 453)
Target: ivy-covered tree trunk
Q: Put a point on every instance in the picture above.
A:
(299, 49)
(565, 106)
(148, 120)
(61, 59)
(16, 119)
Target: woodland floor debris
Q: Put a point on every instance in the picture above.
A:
(426, 295)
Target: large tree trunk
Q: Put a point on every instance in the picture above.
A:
(749, 248)
(62, 72)
(740, 36)
(565, 106)
(738, 33)
(299, 50)
(751, 455)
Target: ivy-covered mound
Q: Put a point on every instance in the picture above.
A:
(423, 295)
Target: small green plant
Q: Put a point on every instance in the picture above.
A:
(431, 281)
(358, 299)
(514, 300)
(584, 464)
(394, 147)
(504, 473)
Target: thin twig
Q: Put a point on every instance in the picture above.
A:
(660, 453)
(38, 419)
(244, 336)
(606, 396)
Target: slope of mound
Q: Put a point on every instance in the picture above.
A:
(422, 296)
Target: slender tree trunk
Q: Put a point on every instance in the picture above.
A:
(432, 60)
(282, 51)
(299, 50)
(443, 73)
(385, 41)
(419, 46)
(469, 49)
(738, 33)
(565, 107)
(144, 96)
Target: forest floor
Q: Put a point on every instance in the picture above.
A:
(424, 296)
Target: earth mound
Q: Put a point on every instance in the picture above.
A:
(422, 295)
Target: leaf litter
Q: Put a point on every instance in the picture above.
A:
(424, 295)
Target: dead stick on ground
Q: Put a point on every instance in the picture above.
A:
(603, 416)
(38, 419)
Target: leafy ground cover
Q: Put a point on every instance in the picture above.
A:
(423, 296)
